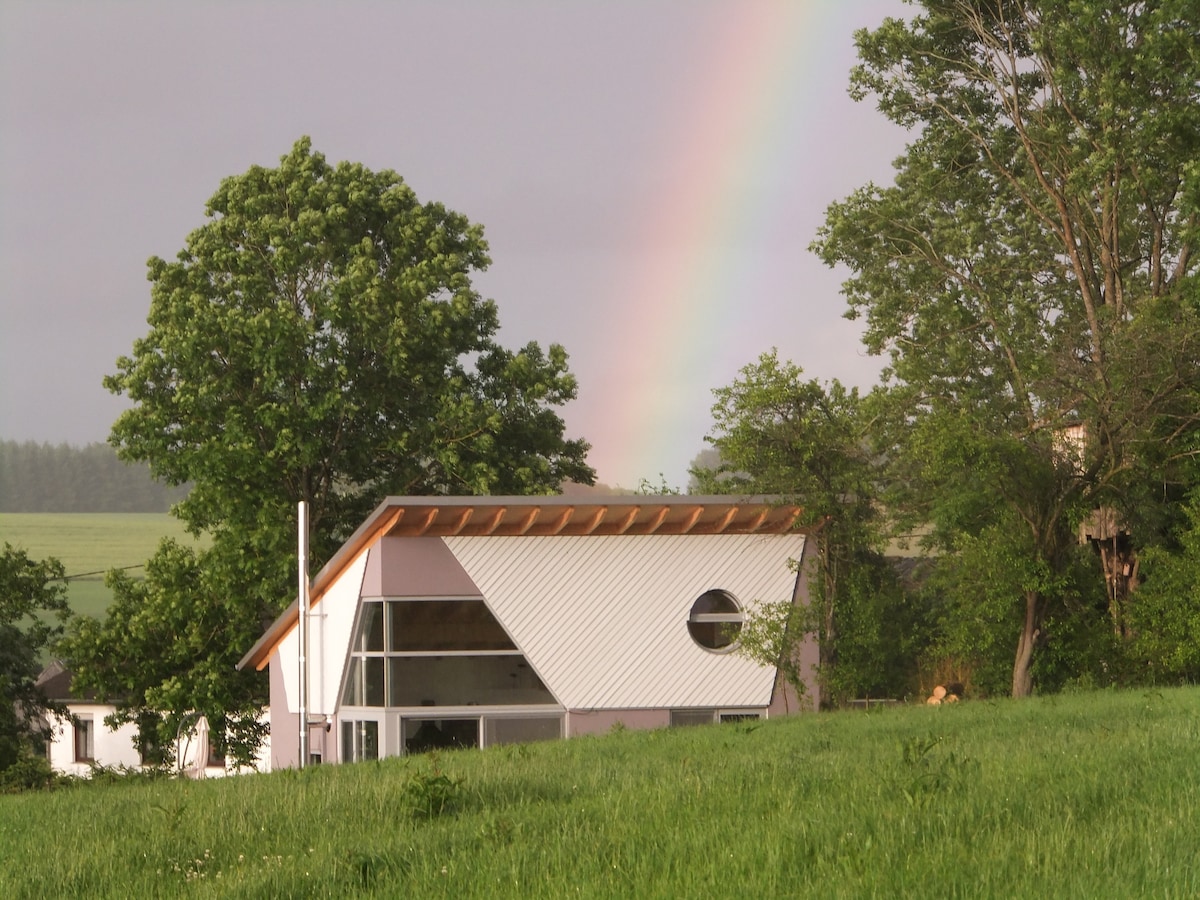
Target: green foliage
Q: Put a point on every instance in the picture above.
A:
(168, 647)
(777, 433)
(33, 608)
(318, 339)
(313, 341)
(1166, 614)
(431, 792)
(30, 772)
(1032, 271)
(1087, 795)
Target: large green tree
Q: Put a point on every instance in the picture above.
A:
(1031, 273)
(33, 607)
(780, 434)
(317, 339)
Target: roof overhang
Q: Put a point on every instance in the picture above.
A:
(536, 516)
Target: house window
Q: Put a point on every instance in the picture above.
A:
(521, 729)
(715, 620)
(360, 740)
(424, 734)
(685, 717)
(85, 740)
(443, 652)
(681, 718)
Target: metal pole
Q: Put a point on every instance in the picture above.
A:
(302, 523)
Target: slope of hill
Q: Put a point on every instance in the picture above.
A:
(1086, 795)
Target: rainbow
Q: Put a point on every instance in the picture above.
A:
(743, 118)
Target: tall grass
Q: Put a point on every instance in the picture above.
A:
(1093, 795)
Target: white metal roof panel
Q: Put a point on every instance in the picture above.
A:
(603, 618)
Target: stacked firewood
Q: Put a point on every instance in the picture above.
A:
(945, 694)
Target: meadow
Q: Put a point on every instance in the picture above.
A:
(1082, 795)
(89, 544)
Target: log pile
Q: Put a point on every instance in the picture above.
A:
(945, 694)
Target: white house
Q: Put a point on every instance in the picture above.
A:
(81, 740)
(473, 621)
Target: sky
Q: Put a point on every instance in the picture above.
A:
(648, 174)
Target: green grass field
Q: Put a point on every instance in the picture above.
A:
(1083, 795)
(89, 544)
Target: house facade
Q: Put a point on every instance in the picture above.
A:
(81, 741)
(475, 621)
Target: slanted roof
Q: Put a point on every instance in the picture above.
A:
(56, 683)
(536, 516)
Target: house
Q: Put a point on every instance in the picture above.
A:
(81, 741)
(474, 621)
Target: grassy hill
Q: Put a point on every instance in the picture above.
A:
(89, 544)
(1085, 795)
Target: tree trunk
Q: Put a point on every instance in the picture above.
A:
(1022, 682)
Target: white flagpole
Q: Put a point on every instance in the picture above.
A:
(302, 521)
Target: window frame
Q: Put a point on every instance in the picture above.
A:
(736, 617)
(84, 731)
(355, 673)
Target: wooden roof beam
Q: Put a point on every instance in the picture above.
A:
(461, 522)
(556, 526)
(493, 521)
(593, 523)
(689, 521)
(623, 524)
(526, 523)
(657, 519)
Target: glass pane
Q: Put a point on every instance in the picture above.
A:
(424, 734)
(715, 602)
(368, 734)
(681, 717)
(432, 625)
(505, 730)
(464, 681)
(372, 681)
(370, 627)
(347, 742)
(714, 635)
(353, 693)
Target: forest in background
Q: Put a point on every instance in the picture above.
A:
(51, 478)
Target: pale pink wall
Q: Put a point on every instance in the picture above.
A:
(285, 733)
(783, 697)
(599, 721)
(415, 567)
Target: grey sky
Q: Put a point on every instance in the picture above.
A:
(561, 127)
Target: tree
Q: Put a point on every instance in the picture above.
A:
(778, 434)
(33, 607)
(317, 339)
(1031, 273)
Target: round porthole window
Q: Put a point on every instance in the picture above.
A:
(715, 620)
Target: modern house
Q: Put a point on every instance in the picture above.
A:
(474, 621)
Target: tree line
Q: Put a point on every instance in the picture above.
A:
(62, 478)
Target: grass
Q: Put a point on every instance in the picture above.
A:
(89, 544)
(1087, 795)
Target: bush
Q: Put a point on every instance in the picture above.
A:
(31, 773)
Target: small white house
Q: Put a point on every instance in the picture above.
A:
(81, 740)
(473, 621)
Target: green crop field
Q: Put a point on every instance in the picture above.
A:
(89, 544)
(1076, 796)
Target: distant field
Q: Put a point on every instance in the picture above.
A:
(89, 544)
